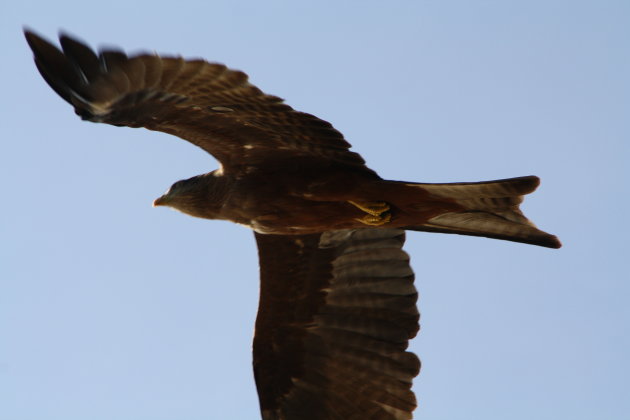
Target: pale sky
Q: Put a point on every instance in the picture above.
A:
(111, 309)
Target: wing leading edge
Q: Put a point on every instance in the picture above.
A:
(208, 104)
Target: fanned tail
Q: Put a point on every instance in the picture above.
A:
(490, 209)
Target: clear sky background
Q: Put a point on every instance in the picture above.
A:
(111, 309)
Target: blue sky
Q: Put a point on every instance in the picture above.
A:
(111, 309)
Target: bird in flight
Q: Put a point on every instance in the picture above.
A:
(337, 300)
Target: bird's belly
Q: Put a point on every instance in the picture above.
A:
(299, 203)
(302, 217)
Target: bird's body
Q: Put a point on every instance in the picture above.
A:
(302, 198)
(311, 197)
(337, 301)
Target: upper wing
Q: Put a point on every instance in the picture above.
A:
(336, 313)
(205, 103)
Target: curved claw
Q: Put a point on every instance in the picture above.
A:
(374, 208)
(375, 220)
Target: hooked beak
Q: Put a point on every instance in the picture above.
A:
(161, 201)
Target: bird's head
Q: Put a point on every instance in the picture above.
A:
(177, 193)
(198, 196)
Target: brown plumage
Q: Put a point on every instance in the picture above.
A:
(340, 308)
(337, 303)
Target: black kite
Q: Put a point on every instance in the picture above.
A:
(337, 300)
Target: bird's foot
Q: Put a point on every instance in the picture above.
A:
(375, 220)
(374, 208)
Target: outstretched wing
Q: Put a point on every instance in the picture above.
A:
(205, 103)
(336, 313)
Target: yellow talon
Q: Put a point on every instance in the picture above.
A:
(374, 208)
(375, 220)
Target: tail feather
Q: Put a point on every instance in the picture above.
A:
(489, 226)
(500, 188)
(490, 209)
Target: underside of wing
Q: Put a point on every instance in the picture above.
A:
(211, 106)
(336, 313)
